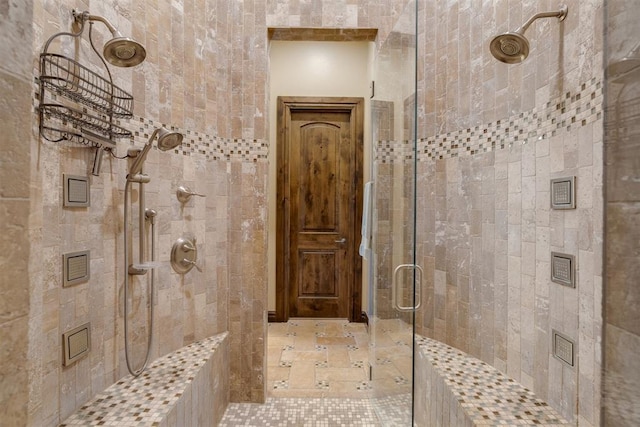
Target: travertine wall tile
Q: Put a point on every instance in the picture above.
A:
(206, 73)
(501, 144)
(206, 76)
(17, 241)
(168, 89)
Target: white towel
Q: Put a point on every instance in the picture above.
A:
(365, 230)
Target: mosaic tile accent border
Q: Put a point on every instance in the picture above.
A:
(487, 396)
(148, 399)
(573, 109)
(194, 143)
(197, 143)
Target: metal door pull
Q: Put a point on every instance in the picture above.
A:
(396, 294)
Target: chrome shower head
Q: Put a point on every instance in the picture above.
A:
(119, 51)
(513, 47)
(124, 52)
(166, 141)
(510, 48)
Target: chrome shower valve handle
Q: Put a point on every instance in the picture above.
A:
(192, 263)
(184, 194)
(184, 255)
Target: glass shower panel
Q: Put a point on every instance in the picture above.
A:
(393, 272)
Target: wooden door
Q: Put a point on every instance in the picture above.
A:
(319, 190)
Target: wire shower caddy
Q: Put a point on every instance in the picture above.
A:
(96, 102)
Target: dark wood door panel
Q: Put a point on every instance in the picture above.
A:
(317, 293)
(319, 163)
(317, 166)
(317, 274)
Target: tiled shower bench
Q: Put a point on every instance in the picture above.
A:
(456, 389)
(189, 387)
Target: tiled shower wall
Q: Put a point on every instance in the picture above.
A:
(205, 76)
(15, 127)
(185, 84)
(490, 138)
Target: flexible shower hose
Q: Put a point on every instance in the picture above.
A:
(132, 371)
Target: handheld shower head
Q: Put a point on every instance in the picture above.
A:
(513, 47)
(166, 141)
(119, 51)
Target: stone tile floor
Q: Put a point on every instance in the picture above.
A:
(318, 358)
(318, 375)
(330, 358)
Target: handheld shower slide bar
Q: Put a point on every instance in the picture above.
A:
(166, 141)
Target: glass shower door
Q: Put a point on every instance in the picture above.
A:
(393, 273)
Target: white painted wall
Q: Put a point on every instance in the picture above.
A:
(312, 68)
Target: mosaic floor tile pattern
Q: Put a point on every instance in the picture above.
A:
(299, 412)
(394, 410)
(147, 399)
(488, 396)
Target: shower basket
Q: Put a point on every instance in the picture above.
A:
(77, 104)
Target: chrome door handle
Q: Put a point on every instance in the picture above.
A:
(396, 295)
(343, 240)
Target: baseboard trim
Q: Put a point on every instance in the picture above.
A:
(272, 318)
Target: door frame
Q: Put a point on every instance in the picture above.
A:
(287, 104)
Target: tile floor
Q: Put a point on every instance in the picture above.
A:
(318, 358)
(295, 412)
(318, 375)
(330, 358)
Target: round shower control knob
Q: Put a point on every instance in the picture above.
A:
(184, 255)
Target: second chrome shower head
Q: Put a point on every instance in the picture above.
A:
(513, 47)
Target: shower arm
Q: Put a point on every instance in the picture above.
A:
(560, 14)
(81, 18)
(85, 16)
